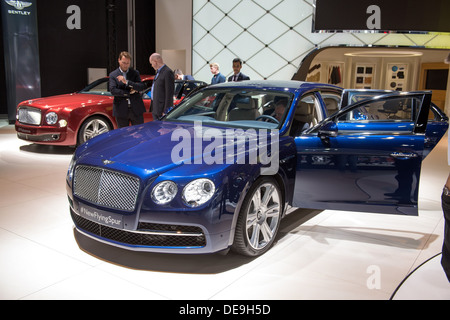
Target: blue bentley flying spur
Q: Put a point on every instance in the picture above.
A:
(221, 169)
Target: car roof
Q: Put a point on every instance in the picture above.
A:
(284, 85)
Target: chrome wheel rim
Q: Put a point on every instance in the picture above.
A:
(263, 216)
(94, 128)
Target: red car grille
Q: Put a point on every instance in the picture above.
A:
(27, 115)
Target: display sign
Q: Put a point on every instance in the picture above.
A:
(382, 15)
(21, 52)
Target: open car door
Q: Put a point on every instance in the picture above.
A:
(366, 157)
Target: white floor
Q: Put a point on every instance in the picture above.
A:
(320, 254)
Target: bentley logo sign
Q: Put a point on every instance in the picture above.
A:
(19, 5)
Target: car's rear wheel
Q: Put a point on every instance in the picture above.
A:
(259, 218)
(93, 127)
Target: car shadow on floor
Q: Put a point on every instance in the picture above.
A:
(182, 263)
(45, 149)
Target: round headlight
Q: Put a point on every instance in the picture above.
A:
(198, 192)
(164, 192)
(51, 118)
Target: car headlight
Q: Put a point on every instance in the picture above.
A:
(198, 192)
(51, 118)
(164, 192)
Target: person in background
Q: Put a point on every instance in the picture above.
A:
(125, 85)
(237, 74)
(163, 87)
(280, 107)
(217, 76)
(184, 86)
(180, 76)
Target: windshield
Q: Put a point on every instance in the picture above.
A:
(236, 107)
(99, 86)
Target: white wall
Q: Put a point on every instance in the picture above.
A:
(174, 33)
(273, 37)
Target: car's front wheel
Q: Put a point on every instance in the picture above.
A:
(259, 218)
(93, 127)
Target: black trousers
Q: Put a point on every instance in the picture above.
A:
(445, 261)
(131, 118)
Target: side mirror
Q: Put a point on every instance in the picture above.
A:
(329, 129)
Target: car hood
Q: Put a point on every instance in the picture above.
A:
(159, 146)
(148, 147)
(65, 100)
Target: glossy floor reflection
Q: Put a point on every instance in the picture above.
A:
(319, 254)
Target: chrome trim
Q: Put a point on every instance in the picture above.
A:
(149, 232)
(167, 233)
(404, 155)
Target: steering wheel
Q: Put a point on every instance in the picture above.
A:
(270, 118)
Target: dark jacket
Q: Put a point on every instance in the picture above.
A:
(162, 92)
(121, 92)
(241, 77)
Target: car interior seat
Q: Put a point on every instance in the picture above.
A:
(244, 109)
(390, 108)
(304, 118)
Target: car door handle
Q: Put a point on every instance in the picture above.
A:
(404, 155)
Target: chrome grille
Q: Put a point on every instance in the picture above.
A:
(29, 115)
(106, 188)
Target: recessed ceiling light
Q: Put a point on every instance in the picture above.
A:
(384, 53)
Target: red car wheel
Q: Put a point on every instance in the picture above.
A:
(93, 127)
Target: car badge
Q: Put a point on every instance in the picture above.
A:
(19, 5)
(106, 162)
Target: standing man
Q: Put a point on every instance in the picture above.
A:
(163, 87)
(125, 85)
(237, 75)
(217, 76)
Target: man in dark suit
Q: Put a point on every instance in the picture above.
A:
(163, 87)
(237, 74)
(125, 85)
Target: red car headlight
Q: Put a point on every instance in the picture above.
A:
(51, 118)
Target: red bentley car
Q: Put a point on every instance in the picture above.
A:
(72, 119)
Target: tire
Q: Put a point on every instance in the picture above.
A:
(259, 218)
(93, 127)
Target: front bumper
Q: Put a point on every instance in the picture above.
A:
(43, 134)
(116, 208)
(156, 236)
